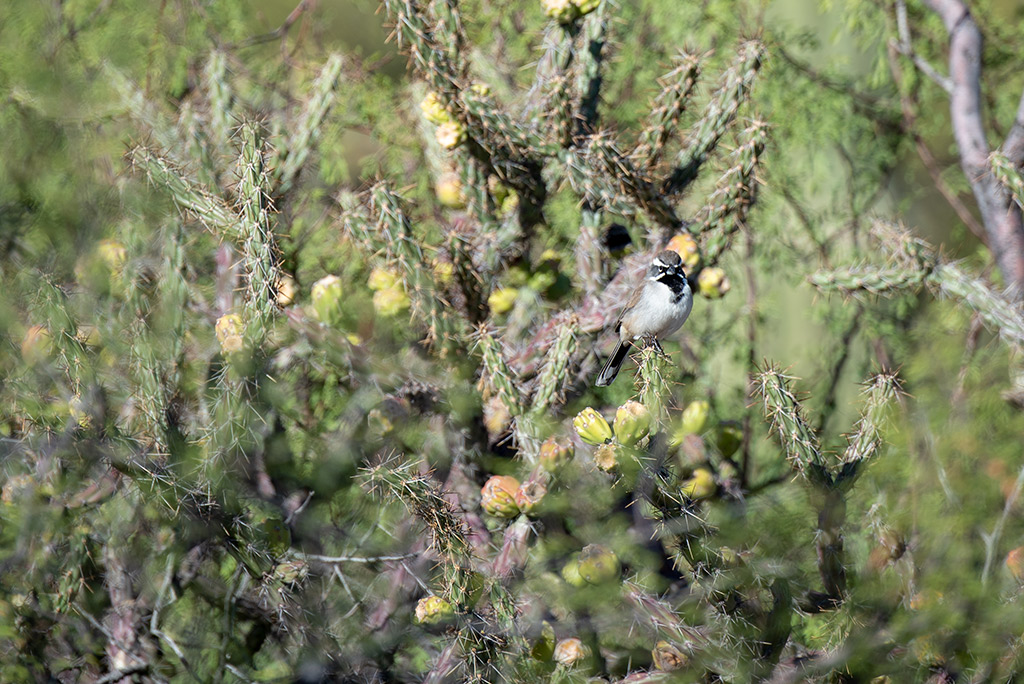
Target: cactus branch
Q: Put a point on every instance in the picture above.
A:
(717, 116)
(785, 412)
(677, 86)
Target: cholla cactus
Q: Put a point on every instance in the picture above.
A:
(301, 383)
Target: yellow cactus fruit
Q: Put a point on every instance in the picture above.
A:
(562, 11)
(449, 191)
(685, 245)
(555, 454)
(700, 486)
(229, 331)
(501, 300)
(592, 427)
(391, 301)
(570, 652)
(598, 564)
(287, 290)
(433, 110)
(1015, 563)
(498, 496)
(529, 496)
(450, 134)
(667, 657)
(713, 283)
(433, 610)
(113, 254)
(632, 423)
(381, 279)
(326, 296)
(695, 415)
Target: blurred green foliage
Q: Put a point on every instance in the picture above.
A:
(189, 496)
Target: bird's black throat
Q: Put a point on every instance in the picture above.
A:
(676, 282)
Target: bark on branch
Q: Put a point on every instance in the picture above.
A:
(1002, 218)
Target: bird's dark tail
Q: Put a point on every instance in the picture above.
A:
(611, 369)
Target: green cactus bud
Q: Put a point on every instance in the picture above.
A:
(571, 572)
(498, 496)
(570, 652)
(37, 345)
(433, 110)
(562, 11)
(695, 415)
(450, 134)
(632, 423)
(291, 572)
(598, 564)
(554, 454)
(391, 301)
(326, 295)
(592, 427)
(667, 657)
(730, 438)
(433, 610)
(529, 496)
(501, 300)
(543, 648)
(229, 331)
(700, 486)
(713, 283)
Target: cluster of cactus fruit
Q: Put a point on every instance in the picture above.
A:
(281, 430)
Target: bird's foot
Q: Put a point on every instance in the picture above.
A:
(650, 341)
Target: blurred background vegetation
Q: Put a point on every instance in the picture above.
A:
(219, 463)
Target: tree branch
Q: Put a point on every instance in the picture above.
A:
(1002, 219)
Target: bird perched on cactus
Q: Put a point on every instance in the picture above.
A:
(658, 307)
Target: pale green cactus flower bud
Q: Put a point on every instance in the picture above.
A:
(326, 295)
(570, 652)
(632, 423)
(713, 283)
(592, 427)
(433, 110)
(598, 564)
(433, 610)
(695, 416)
(554, 454)
(498, 496)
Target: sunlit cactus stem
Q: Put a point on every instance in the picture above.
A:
(668, 106)
(787, 421)
(727, 206)
(259, 246)
(310, 120)
(554, 376)
(497, 372)
(719, 113)
(188, 194)
(653, 386)
(220, 100)
(865, 442)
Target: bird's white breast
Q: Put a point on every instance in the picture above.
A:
(656, 313)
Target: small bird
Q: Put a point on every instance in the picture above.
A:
(657, 309)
